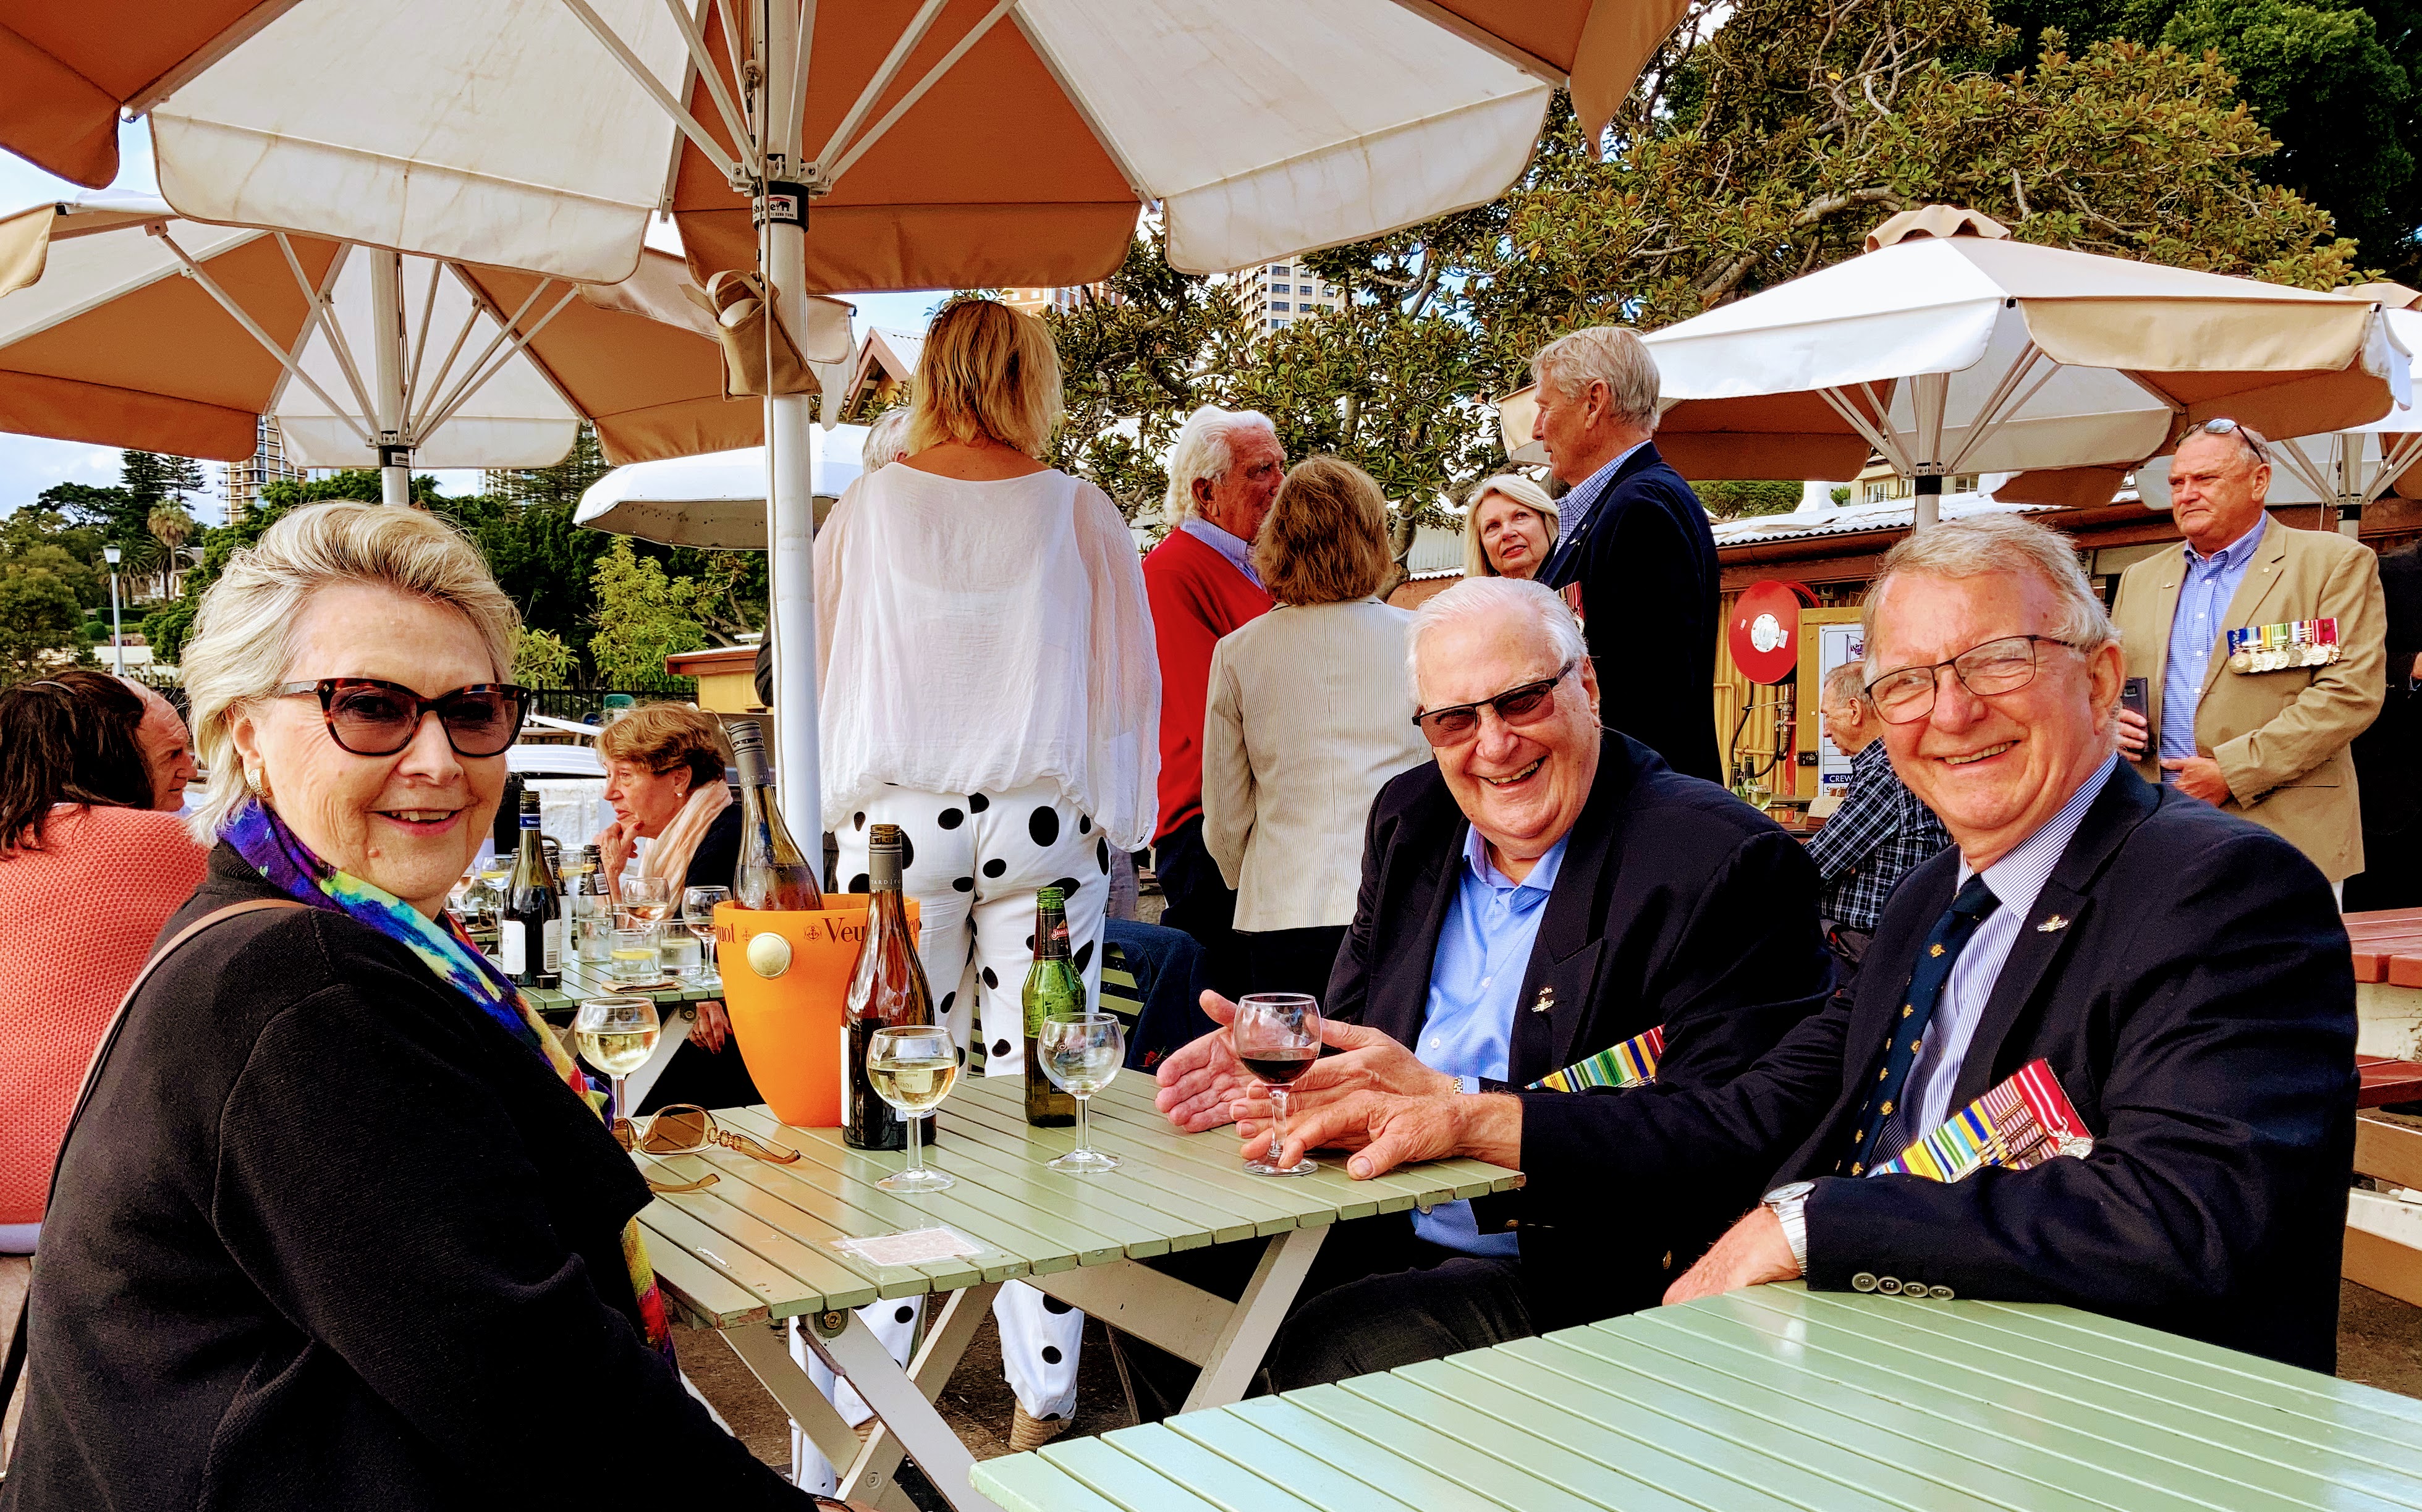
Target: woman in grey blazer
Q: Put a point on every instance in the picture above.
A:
(1309, 712)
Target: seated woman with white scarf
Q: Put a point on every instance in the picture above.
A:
(665, 777)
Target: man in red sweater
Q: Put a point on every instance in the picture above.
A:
(1224, 473)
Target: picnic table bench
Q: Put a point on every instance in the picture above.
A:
(757, 1247)
(1768, 1399)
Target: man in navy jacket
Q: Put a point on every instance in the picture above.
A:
(1633, 554)
(2183, 971)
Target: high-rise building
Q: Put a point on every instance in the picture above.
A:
(267, 465)
(1035, 300)
(1280, 293)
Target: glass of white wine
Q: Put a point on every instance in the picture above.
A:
(912, 1068)
(698, 914)
(617, 1035)
(648, 900)
(1080, 1055)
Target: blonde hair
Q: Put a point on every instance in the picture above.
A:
(986, 370)
(244, 634)
(1326, 539)
(663, 736)
(1207, 448)
(1610, 355)
(1521, 490)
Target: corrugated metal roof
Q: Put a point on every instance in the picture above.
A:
(1851, 519)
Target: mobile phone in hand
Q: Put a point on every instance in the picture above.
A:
(2137, 693)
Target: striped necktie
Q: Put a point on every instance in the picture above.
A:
(1907, 1038)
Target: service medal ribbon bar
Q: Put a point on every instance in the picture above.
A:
(1631, 1063)
(2024, 1122)
(2271, 648)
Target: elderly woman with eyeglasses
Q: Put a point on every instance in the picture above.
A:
(337, 1223)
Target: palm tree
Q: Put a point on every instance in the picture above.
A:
(173, 527)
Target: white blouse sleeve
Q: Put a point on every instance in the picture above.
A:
(829, 580)
(1126, 674)
(1228, 807)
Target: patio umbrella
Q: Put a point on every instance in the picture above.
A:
(124, 324)
(713, 502)
(1948, 348)
(954, 143)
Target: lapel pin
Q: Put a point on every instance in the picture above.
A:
(2051, 925)
(1547, 1000)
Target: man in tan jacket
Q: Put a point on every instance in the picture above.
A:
(2261, 652)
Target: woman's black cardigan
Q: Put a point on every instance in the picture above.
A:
(329, 1237)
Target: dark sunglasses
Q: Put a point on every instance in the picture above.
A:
(1524, 705)
(373, 718)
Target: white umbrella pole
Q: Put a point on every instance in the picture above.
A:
(790, 495)
(1929, 501)
(387, 344)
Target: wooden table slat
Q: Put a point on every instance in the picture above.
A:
(2093, 1431)
(1138, 1190)
(786, 1294)
(693, 1285)
(1220, 1481)
(1387, 1469)
(1520, 1448)
(1122, 1478)
(1441, 1454)
(1030, 1482)
(741, 1207)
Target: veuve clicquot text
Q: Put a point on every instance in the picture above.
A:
(773, 871)
(1053, 990)
(886, 990)
(531, 940)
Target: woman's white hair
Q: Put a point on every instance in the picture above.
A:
(1477, 598)
(885, 439)
(1610, 355)
(1207, 448)
(243, 634)
(1984, 544)
(1521, 490)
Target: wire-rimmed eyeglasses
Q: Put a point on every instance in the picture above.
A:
(1906, 694)
(2253, 439)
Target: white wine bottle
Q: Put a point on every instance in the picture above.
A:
(773, 871)
(886, 990)
(533, 932)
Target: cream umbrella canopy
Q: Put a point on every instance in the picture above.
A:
(1949, 348)
(123, 323)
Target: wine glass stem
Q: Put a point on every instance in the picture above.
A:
(621, 1108)
(1084, 1126)
(916, 1145)
(1277, 1128)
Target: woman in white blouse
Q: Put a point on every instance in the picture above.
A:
(990, 686)
(1309, 716)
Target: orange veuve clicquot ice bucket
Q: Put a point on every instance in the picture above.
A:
(785, 999)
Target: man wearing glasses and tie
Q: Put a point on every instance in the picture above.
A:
(2179, 972)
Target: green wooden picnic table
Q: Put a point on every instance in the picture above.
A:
(1773, 1398)
(757, 1247)
(583, 980)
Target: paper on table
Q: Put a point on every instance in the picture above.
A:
(918, 1247)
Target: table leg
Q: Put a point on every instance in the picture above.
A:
(1246, 1336)
(873, 1477)
(856, 1356)
(768, 1354)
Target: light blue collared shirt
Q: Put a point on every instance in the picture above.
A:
(1483, 950)
(1575, 507)
(2204, 597)
(2016, 881)
(1239, 550)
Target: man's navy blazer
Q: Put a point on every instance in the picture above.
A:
(2186, 975)
(1645, 561)
(1676, 904)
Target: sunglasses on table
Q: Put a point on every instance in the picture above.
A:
(686, 1128)
(369, 717)
(1525, 705)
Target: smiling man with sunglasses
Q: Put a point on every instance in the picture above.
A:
(1545, 891)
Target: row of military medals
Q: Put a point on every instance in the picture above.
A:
(2270, 648)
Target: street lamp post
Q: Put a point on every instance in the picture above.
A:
(117, 637)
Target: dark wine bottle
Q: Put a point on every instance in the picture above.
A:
(532, 925)
(886, 990)
(1053, 990)
(773, 872)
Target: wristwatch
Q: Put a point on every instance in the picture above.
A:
(1790, 1206)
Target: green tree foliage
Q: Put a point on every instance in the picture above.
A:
(2334, 81)
(41, 622)
(562, 484)
(643, 615)
(543, 660)
(1726, 500)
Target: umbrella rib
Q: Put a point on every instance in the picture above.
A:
(210, 287)
(1997, 410)
(1859, 422)
(699, 135)
(794, 120)
(472, 376)
(2391, 465)
(470, 320)
(570, 292)
(751, 151)
(314, 298)
(343, 351)
(914, 33)
(2309, 473)
(420, 341)
(934, 76)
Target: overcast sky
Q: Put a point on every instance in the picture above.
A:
(29, 465)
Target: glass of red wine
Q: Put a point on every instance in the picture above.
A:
(1276, 1035)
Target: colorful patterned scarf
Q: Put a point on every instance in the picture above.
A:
(263, 839)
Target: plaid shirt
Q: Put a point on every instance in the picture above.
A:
(1879, 834)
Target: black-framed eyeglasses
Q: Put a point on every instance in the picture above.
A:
(369, 717)
(1906, 694)
(1525, 705)
(2225, 426)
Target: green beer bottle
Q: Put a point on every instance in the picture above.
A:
(1053, 990)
